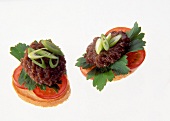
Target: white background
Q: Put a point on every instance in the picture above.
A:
(142, 96)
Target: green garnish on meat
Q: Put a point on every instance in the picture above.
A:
(18, 52)
(101, 76)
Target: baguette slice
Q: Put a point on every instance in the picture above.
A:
(116, 78)
(30, 97)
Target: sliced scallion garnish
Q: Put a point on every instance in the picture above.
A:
(52, 47)
(53, 65)
(108, 37)
(105, 42)
(36, 54)
(114, 40)
(42, 64)
(47, 54)
(33, 53)
(98, 46)
(39, 54)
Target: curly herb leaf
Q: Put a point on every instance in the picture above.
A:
(42, 86)
(26, 80)
(136, 45)
(81, 62)
(18, 50)
(100, 79)
(55, 87)
(30, 84)
(136, 38)
(22, 77)
(91, 73)
(134, 31)
(100, 76)
(119, 67)
(140, 36)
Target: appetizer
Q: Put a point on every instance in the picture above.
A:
(113, 55)
(41, 77)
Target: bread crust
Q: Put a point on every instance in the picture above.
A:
(118, 77)
(30, 97)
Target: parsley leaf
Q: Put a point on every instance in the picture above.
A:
(136, 44)
(136, 38)
(109, 75)
(22, 77)
(119, 67)
(134, 31)
(42, 86)
(100, 76)
(140, 36)
(55, 87)
(81, 62)
(26, 80)
(100, 79)
(18, 50)
(29, 83)
(91, 73)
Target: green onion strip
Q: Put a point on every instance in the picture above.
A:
(106, 42)
(39, 54)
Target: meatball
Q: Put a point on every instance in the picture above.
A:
(47, 76)
(105, 58)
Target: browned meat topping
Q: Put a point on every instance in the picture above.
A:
(48, 76)
(105, 58)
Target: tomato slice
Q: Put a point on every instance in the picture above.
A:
(16, 75)
(135, 59)
(85, 71)
(124, 29)
(50, 93)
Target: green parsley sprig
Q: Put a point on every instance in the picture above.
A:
(18, 52)
(106, 42)
(101, 76)
(26, 80)
(136, 38)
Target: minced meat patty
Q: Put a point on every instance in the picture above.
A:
(105, 58)
(47, 76)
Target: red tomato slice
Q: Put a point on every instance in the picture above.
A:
(16, 75)
(135, 59)
(85, 71)
(124, 29)
(50, 93)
